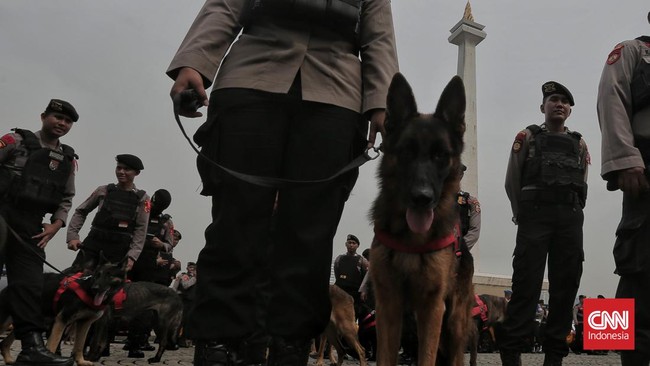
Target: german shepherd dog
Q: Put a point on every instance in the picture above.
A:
(482, 333)
(66, 306)
(417, 261)
(342, 325)
(141, 296)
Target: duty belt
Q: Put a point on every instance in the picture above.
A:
(112, 236)
(550, 196)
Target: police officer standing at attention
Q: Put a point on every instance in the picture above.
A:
(292, 99)
(36, 177)
(546, 184)
(350, 269)
(624, 117)
(120, 225)
(470, 215)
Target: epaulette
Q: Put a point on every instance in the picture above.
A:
(535, 129)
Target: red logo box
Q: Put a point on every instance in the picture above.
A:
(608, 324)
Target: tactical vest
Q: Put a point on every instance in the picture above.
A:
(40, 183)
(155, 228)
(640, 85)
(119, 210)
(555, 161)
(464, 208)
(350, 272)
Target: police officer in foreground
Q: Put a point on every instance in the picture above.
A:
(470, 215)
(36, 178)
(624, 116)
(120, 226)
(546, 184)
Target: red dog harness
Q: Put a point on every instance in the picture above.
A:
(480, 309)
(119, 298)
(70, 283)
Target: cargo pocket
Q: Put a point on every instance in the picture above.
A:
(632, 249)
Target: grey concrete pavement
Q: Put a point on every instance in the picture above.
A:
(184, 356)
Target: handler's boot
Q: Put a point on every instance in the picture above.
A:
(510, 358)
(213, 354)
(552, 360)
(34, 353)
(289, 353)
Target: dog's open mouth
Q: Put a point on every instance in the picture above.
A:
(419, 220)
(99, 298)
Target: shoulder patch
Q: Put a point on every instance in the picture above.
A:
(615, 55)
(147, 206)
(519, 141)
(7, 139)
(477, 206)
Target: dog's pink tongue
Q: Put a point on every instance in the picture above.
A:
(419, 220)
(99, 298)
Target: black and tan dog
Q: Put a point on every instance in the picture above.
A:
(489, 311)
(139, 297)
(78, 299)
(417, 259)
(342, 325)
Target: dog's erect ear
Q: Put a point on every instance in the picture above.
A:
(400, 103)
(451, 106)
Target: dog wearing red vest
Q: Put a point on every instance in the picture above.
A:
(418, 260)
(78, 299)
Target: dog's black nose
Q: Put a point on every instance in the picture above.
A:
(422, 197)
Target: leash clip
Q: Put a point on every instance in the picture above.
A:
(377, 151)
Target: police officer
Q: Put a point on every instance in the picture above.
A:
(546, 184)
(160, 239)
(120, 226)
(624, 116)
(36, 177)
(299, 75)
(350, 269)
(470, 215)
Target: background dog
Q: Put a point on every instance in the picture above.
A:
(141, 296)
(482, 332)
(342, 325)
(416, 261)
(95, 287)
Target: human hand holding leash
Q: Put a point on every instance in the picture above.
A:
(377, 119)
(188, 93)
(74, 244)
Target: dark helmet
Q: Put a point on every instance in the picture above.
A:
(161, 199)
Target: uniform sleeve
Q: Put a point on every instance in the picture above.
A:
(614, 107)
(378, 52)
(168, 240)
(205, 44)
(82, 211)
(471, 238)
(518, 154)
(7, 146)
(66, 204)
(140, 230)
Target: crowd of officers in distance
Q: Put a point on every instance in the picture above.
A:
(37, 175)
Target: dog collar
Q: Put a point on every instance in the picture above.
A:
(390, 241)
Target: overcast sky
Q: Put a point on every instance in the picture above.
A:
(108, 59)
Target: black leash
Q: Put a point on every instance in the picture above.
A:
(188, 100)
(31, 247)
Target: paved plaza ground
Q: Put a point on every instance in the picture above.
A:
(184, 357)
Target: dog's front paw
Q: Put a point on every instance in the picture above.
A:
(153, 360)
(83, 362)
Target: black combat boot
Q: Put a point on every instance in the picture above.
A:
(34, 353)
(214, 354)
(510, 358)
(289, 353)
(552, 360)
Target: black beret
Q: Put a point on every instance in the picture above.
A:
(61, 106)
(131, 161)
(353, 238)
(553, 87)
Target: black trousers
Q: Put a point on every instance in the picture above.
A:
(24, 271)
(553, 231)
(265, 270)
(632, 257)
